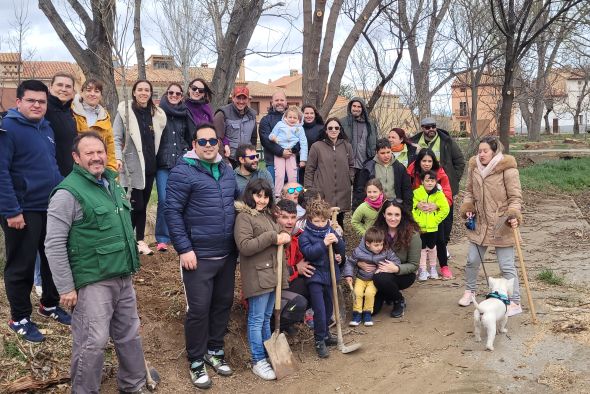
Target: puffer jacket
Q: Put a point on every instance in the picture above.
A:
(102, 126)
(311, 244)
(493, 200)
(441, 178)
(256, 234)
(429, 221)
(361, 253)
(199, 210)
(330, 170)
(176, 137)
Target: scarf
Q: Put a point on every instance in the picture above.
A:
(487, 170)
(178, 110)
(376, 205)
(320, 232)
(199, 111)
(398, 148)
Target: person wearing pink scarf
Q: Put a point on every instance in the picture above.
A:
(366, 213)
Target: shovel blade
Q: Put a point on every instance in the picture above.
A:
(349, 348)
(280, 355)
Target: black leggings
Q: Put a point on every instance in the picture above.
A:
(139, 205)
(389, 287)
(444, 234)
(429, 239)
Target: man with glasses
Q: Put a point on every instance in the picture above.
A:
(235, 123)
(248, 169)
(28, 174)
(200, 214)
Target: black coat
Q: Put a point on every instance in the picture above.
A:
(401, 180)
(61, 119)
(176, 136)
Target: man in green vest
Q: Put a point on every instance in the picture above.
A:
(92, 253)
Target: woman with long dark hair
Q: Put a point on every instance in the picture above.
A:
(313, 125)
(426, 161)
(198, 97)
(404, 150)
(136, 147)
(402, 237)
(330, 167)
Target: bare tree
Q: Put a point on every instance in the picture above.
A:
(20, 24)
(520, 24)
(139, 52)
(320, 84)
(93, 51)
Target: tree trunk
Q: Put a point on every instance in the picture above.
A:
(577, 121)
(141, 74)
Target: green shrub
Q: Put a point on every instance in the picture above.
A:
(550, 277)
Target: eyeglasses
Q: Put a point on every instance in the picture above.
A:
(31, 101)
(252, 157)
(203, 141)
(177, 94)
(429, 126)
(330, 128)
(297, 189)
(198, 90)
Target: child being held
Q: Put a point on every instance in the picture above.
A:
(366, 213)
(429, 220)
(371, 250)
(314, 243)
(287, 133)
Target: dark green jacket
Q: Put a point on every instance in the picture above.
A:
(101, 245)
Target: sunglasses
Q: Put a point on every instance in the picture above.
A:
(297, 189)
(333, 128)
(177, 94)
(198, 90)
(252, 157)
(396, 200)
(429, 126)
(203, 141)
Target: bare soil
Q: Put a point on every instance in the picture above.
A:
(431, 349)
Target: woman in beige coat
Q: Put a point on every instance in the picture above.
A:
(494, 199)
(256, 236)
(330, 167)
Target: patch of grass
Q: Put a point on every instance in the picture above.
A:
(550, 277)
(568, 176)
(11, 350)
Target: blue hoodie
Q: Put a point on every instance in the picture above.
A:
(28, 169)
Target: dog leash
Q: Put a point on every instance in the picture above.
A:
(483, 265)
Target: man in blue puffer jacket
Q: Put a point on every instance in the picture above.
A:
(28, 174)
(199, 211)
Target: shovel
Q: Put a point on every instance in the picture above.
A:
(341, 346)
(277, 346)
(152, 377)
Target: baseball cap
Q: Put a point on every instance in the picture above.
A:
(241, 91)
(427, 121)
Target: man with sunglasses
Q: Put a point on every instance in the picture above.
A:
(235, 124)
(28, 174)
(200, 214)
(291, 191)
(248, 169)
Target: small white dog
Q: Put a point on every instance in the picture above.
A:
(493, 309)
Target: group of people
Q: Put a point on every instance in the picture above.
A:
(74, 191)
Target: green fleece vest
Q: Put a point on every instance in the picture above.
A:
(101, 245)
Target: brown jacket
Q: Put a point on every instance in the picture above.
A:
(492, 200)
(329, 169)
(256, 236)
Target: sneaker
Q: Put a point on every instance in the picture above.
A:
(449, 255)
(27, 330)
(38, 291)
(162, 247)
(331, 340)
(57, 314)
(399, 307)
(446, 273)
(513, 309)
(321, 349)
(467, 298)
(422, 274)
(356, 319)
(217, 362)
(433, 273)
(367, 320)
(143, 248)
(264, 370)
(199, 375)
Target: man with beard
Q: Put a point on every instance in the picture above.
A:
(361, 131)
(248, 169)
(91, 249)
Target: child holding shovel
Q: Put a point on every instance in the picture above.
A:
(257, 237)
(314, 243)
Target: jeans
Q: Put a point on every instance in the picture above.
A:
(162, 235)
(321, 303)
(260, 309)
(37, 280)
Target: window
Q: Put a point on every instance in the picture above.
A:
(462, 126)
(463, 108)
(463, 90)
(255, 105)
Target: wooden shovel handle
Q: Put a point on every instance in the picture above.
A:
(279, 288)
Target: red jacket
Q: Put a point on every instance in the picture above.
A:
(294, 256)
(441, 177)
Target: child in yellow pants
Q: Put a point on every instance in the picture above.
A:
(371, 250)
